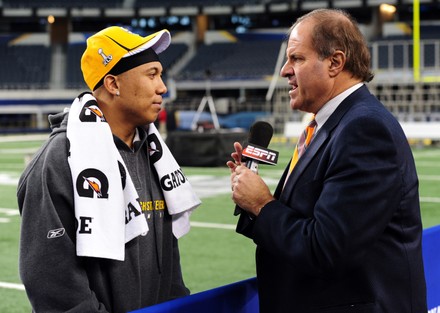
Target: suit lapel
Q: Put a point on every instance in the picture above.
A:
(321, 137)
(305, 159)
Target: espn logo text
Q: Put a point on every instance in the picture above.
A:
(261, 154)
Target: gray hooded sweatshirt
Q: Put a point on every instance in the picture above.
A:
(55, 278)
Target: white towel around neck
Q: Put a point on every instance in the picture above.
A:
(109, 215)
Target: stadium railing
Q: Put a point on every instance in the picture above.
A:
(242, 297)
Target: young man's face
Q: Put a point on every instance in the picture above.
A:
(141, 89)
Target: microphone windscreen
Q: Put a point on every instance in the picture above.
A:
(260, 134)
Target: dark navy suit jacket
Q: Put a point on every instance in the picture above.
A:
(344, 235)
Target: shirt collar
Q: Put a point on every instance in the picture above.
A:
(139, 138)
(330, 107)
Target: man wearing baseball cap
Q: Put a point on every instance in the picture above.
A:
(100, 223)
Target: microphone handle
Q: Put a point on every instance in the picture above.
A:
(253, 166)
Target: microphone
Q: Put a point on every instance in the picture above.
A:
(260, 135)
(256, 150)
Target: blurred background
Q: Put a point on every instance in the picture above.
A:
(224, 59)
(222, 73)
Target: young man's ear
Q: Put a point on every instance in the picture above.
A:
(111, 84)
(337, 62)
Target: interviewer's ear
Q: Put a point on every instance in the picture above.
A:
(337, 62)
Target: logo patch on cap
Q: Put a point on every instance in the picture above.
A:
(106, 58)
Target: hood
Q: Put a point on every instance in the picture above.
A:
(58, 122)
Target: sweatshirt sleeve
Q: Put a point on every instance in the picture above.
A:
(54, 277)
(178, 288)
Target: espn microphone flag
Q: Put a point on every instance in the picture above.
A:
(261, 154)
(256, 150)
(260, 135)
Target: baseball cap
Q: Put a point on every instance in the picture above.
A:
(116, 45)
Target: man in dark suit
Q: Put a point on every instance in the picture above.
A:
(342, 232)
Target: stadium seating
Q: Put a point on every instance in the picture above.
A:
(224, 60)
(24, 66)
(398, 54)
(171, 55)
(120, 3)
(243, 59)
(239, 60)
(74, 78)
(179, 3)
(248, 55)
(62, 3)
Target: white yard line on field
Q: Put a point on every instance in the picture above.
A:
(430, 199)
(429, 177)
(9, 212)
(15, 138)
(193, 224)
(19, 151)
(210, 185)
(426, 153)
(11, 286)
(7, 179)
(427, 164)
(212, 225)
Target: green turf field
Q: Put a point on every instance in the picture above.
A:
(212, 253)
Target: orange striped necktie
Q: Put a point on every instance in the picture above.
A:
(303, 142)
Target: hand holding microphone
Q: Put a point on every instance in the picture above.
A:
(249, 191)
(256, 150)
